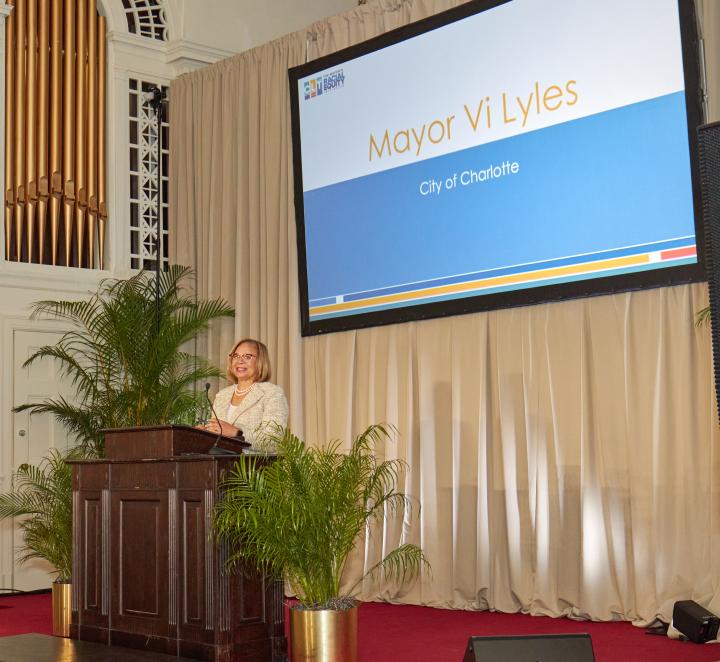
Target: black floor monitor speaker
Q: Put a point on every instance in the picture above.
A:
(695, 622)
(709, 153)
(531, 648)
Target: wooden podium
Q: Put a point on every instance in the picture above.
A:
(147, 572)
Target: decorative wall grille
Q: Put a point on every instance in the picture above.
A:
(148, 205)
(146, 18)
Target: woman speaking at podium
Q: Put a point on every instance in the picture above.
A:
(252, 405)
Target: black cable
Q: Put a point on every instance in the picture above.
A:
(156, 103)
(659, 627)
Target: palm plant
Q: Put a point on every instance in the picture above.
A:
(702, 316)
(43, 494)
(124, 355)
(301, 515)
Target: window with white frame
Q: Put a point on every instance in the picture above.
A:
(146, 18)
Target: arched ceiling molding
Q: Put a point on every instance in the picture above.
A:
(113, 12)
(165, 59)
(146, 18)
(116, 12)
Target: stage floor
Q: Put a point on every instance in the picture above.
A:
(386, 633)
(45, 648)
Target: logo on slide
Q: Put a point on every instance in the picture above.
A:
(316, 87)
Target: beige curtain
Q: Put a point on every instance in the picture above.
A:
(564, 454)
(231, 196)
(709, 17)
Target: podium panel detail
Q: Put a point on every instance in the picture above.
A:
(147, 571)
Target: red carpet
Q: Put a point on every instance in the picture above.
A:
(403, 633)
(21, 614)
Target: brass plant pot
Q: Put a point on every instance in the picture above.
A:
(61, 608)
(324, 635)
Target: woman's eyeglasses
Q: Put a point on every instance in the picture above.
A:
(245, 358)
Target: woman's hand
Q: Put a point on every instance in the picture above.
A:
(221, 427)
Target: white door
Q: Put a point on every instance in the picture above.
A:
(34, 435)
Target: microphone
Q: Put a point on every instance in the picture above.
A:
(215, 449)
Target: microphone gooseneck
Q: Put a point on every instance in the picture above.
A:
(215, 449)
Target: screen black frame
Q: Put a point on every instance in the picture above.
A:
(694, 95)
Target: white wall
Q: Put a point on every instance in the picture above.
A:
(237, 25)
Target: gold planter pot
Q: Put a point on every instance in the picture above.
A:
(61, 608)
(324, 635)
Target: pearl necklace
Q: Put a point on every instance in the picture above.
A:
(243, 391)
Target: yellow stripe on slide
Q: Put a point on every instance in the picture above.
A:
(496, 281)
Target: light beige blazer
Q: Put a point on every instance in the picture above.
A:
(264, 405)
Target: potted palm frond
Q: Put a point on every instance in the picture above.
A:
(42, 496)
(300, 516)
(125, 356)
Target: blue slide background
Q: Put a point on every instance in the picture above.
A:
(614, 179)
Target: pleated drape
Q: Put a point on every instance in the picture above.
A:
(709, 17)
(564, 454)
(234, 219)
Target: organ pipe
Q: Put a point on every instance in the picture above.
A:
(55, 184)
(18, 144)
(55, 131)
(9, 134)
(80, 129)
(102, 90)
(43, 123)
(91, 143)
